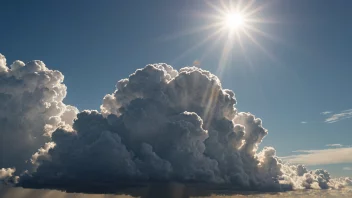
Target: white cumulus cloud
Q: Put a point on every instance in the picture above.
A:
(31, 108)
(6, 172)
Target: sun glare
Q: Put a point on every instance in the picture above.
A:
(233, 24)
(234, 20)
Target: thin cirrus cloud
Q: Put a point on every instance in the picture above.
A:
(346, 114)
(326, 112)
(324, 156)
(334, 145)
(347, 168)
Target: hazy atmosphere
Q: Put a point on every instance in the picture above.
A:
(175, 99)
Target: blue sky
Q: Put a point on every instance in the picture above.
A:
(95, 44)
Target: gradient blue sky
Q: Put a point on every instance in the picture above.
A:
(96, 43)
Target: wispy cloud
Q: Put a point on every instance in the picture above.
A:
(334, 145)
(324, 156)
(339, 116)
(347, 168)
(326, 112)
(303, 122)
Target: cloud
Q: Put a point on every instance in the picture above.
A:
(334, 145)
(31, 108)
(7, 176)
(339, 116)
(160, 125)
(347, 168)
(165, 125)
(303, 122)
(318, 157)
(6, 172)
(325, 112)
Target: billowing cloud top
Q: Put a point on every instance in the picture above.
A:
(31, 108)
(161, 124)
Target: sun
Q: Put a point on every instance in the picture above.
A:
(235, 25)
(234, 21)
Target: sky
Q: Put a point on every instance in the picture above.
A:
(298, 83)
